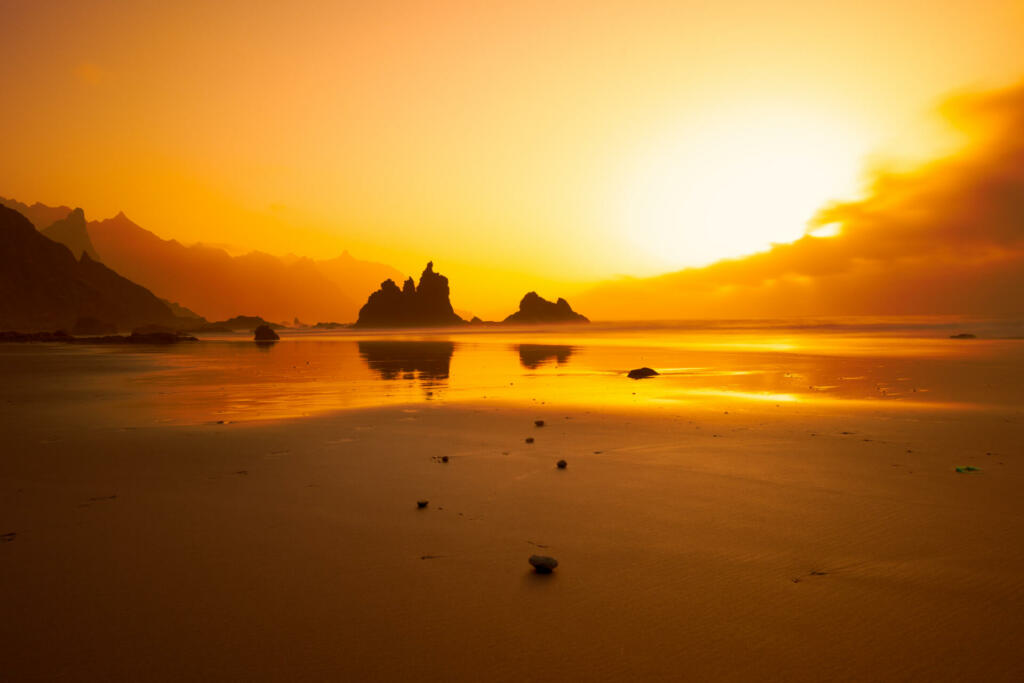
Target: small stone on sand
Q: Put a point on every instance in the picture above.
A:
(561, 464)
(529, 439)
(421, 504)
(641, 373)
(543, 564)
(444, 458)
(539, 423)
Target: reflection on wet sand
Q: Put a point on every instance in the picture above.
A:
(423, 360)
(304, 375)
(533, 356)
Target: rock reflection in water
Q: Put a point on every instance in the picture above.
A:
(423, 360)
(533, 356)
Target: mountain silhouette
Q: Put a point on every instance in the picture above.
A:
(354, 277)
(43, 286)
(72, 232)
(217, 285)
(535, 309)
(427, 305)
(40, 215)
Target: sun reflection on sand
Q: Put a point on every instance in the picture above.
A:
(231, 380)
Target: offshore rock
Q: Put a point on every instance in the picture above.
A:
(426, 305)
(534, 309)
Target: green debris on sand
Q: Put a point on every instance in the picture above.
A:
(963, 469)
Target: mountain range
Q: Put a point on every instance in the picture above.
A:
(210, 281)
(43, 286)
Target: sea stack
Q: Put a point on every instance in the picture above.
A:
(427, 305)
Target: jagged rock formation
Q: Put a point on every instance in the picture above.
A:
(72, 232)
(427, 305)
(535, 309)
(43, 286)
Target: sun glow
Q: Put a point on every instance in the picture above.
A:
(742, 181)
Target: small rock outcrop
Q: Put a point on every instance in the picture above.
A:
(542, 564)
(641, 373)
(426, 305)
(265, 333)
(534, 309)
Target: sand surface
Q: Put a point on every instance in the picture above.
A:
(723, 540)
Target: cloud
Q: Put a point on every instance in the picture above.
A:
(945, 237)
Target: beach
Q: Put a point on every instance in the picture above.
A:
(709, 524)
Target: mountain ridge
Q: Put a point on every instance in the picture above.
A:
(44, 287)
(211, 281)
(73, 233)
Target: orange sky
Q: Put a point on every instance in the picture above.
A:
(534, 146)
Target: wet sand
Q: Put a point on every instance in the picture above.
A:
(714, 540)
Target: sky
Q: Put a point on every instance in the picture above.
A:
(943, 237)
(527, 145)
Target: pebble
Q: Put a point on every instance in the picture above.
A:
(543, 564)
(640, 373)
